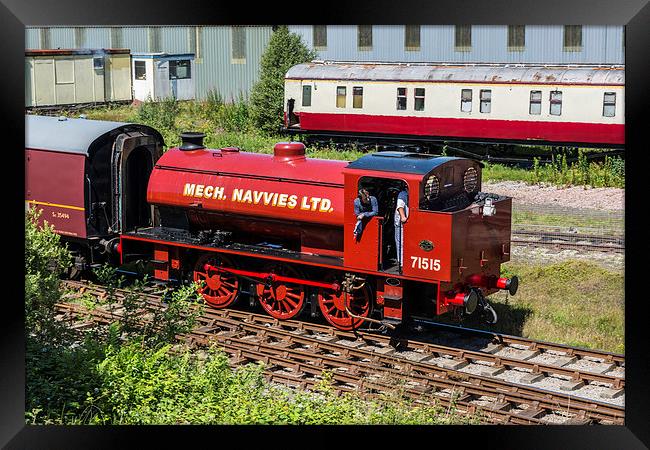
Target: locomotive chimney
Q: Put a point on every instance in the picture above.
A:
(289, 151)
(192, 141)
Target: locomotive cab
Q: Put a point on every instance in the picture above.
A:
(455, 237)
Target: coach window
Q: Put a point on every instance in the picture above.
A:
(140, 70)
(486, 100)
(357, 97)
(401, 98)
(340, 96)
(556, 103)
(535, 102)
(466, 100)
(306, 95)
(419, 99)
(609, 104)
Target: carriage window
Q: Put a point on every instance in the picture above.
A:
(486, 100)
(609, 104)
(306, 95)
(340, 96)
(535, 102)
(357, 97)
(419, 99)
(140, 70)
(466, 100)
(556, 103)
(401, 98)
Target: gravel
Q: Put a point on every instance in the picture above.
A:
(610, 199)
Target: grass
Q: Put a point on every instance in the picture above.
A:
(613, 224)
(573, 302)
(230, 125)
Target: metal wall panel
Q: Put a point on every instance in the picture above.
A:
(61, 37)
(32, 38)
(544, 44)
(97, 37)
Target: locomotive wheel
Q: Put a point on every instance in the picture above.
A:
(218, 289)
(282, 300)
(332, 305)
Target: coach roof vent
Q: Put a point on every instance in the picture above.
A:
(289, 151)
(192, 141)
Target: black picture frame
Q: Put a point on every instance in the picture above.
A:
(634, 14)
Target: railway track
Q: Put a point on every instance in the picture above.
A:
(613, 244)
(296, 353)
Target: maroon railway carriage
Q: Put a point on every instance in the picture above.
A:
(280, 228)
(89, 178)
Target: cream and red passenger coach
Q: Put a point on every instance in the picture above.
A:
(582, 105)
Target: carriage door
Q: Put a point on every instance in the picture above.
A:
(134, 155)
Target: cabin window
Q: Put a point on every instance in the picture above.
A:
(516, 37)
(340, 96)
(238, 45)
(609, 104)
(320, 37)
(357, 97)
(140, 70)
(535, 102)
(466, 100)
(306, 95)
(556, 103)
(486, 100)
(364, 37)
(412, 37)
(419, 99)
(180, 69)
(401, 99)
(98, 63)
(572, 38)
(463, 38)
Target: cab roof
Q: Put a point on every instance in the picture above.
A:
(400, 162)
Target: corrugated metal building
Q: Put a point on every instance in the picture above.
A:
(227, 58)
(576, 44)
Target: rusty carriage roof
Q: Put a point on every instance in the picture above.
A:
(460, 73)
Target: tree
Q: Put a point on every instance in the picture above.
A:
(285, 50)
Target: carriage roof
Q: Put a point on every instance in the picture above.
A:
(460, 73)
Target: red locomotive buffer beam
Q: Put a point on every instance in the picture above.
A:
(271, 277)
(509, 284)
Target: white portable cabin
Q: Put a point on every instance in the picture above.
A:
(163, 75)
(77, 76)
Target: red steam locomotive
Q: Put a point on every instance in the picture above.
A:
(283, 229)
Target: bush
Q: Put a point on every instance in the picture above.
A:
(284, 51)
(45, 261)
(161, 387)
(159, 114)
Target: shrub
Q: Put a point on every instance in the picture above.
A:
(159, 114)
(285, 50)
(45, 261)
